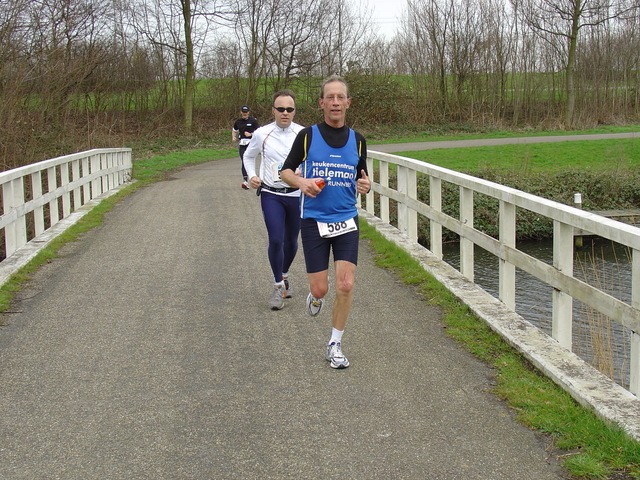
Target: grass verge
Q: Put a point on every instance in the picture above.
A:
(592, 448)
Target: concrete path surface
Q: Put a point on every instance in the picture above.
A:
(147, 351)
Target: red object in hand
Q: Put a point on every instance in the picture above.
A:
(321, 183)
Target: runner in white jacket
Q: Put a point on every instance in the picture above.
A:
(280, 203)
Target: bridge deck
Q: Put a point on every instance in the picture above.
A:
(147, 351)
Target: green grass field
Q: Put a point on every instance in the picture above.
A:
(594, 155)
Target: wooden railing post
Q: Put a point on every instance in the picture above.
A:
(96, 184)
(466, 245)
(66, 197)
(435, 229)
(52, 182)
(86, 187)
(384, 182)
(38, 213)
(506, 270)
(562, 314)
(371, 207)
(412, 191)
(75, 175)
(407, 217)
(15, 234)
(634, 374)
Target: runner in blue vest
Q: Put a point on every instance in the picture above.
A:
(334, 170)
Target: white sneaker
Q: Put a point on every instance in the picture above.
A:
(314, 305)
(336, 357)
(277, 299)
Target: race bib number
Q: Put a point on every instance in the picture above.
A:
(328, 230)
(275, 172)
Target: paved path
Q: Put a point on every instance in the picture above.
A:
(484, 142)
(146, 351)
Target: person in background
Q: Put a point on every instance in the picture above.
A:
(332, 158)
(242, 132)
(280, 203)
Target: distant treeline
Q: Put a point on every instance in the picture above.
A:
(78, 74)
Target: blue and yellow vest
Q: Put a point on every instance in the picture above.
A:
(338, 167)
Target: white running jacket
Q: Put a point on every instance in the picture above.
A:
(272, 143)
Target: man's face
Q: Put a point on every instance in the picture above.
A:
(284, 118)
(334, 103)
(245, 114)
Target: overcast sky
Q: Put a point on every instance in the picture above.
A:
(386, 14)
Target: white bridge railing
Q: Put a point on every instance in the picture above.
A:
(38, 196)
(565, 219)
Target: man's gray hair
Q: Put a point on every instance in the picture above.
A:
(331, 79)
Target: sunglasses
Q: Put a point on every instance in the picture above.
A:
(283, 109)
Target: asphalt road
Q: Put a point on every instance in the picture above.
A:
(147, 351)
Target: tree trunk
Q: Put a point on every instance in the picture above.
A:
(571, 67)
(189, 80)
(569, 84)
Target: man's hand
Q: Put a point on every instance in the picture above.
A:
(306, 185)
(255, 181)
(310, 187)
(363, 185)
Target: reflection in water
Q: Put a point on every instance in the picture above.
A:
(597, 339)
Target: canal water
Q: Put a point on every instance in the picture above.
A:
(601, 263)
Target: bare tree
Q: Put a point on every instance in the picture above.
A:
(13, 41)
(628, 63)
(493, 55)
(294, 46)
(376, 58)
(467, 32)
(341, 36)
(426, 37)
(565, 19)
(177, 28)
(65, 48)
(285, 39)
(253, 28)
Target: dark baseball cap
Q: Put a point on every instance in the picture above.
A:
(245, 108)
